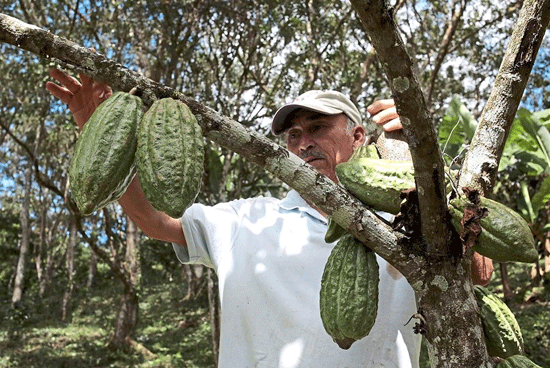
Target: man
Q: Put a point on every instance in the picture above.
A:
(269, 254)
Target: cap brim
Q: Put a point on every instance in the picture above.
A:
(280, 123)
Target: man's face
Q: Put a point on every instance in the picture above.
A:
(323, 140)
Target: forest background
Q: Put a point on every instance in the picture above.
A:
(96, 292)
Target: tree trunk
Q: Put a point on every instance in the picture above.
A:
(24, 244)
(126, 320)
(66, 310)
(38, 253)
(214, 307)
(92, 270)
(448, 316)
(127, 315)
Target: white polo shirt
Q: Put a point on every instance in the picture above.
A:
(269, 256)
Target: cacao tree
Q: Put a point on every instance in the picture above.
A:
(436, 280)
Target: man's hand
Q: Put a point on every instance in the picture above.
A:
(384, 114)
(83, 96)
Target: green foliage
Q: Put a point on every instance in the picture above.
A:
(457, 129)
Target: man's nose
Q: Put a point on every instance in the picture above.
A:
(306, 143)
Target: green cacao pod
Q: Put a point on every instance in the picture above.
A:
(502, 332)
(103, 164)
(170, 156)
(335, 231)
(517, 361)
(505, 235)
(349, 292)
(377, 183)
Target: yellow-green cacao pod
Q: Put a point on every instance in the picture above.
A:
(103, 164)
(502, 332)
(170, 156)
(377, 183)
(505, 235)
(349, 292)
(517, 361)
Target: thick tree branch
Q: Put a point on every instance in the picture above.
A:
(482, 160)
(418, 126)
(330, 198)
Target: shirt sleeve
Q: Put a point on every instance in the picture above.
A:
(209, 232)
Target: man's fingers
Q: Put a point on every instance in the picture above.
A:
(61, 93)
(70, 83)
(385, 116)
(380, 105)
(392, 125)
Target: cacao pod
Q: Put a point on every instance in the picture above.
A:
(334, 230)
(517, 361)
(502, 332)
(103, 164)
(170, 156)
(505, 235)
(377, 183)
(349, 292)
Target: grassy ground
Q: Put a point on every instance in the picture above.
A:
(176, 333)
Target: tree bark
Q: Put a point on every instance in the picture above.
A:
(66, 310)
(127, 315)
(214, 311)
(92, 270)
(24, 246)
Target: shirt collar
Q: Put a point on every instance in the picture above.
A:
(293, 201)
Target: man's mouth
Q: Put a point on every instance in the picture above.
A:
(311, 156)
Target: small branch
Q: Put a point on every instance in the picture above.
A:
(481, 163)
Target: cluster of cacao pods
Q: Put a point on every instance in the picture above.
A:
(164, 146)
(378, 183)
(505, 235)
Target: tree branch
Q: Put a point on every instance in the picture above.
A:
(481, 163)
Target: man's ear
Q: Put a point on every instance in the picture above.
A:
(359, 136)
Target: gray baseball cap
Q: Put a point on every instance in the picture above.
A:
(324, 102)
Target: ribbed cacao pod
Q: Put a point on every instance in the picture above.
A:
(349, 292)
(103, 164)
(334, 230)
(517, 361)
(377, 183)
(170, 156)
(505, 235)
(502, 332)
